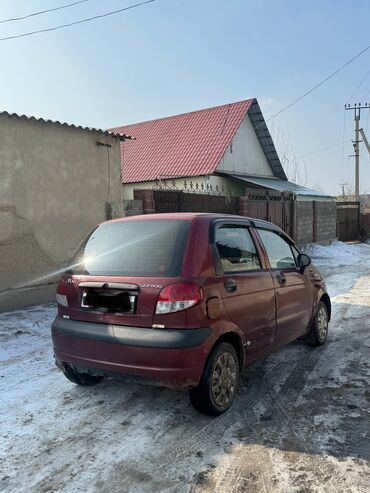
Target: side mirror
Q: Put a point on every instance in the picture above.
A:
(303, 261)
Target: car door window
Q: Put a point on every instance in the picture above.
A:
(278, 250)
(236, 249)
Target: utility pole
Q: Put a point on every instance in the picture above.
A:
(342, 184)
(356, 143)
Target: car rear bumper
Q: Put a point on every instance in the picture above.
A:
(173, 357)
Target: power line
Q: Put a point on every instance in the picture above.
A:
(358, 87)
(88, 19)
(366, 95)
(318, 84)
(40, 12)
(325, 149)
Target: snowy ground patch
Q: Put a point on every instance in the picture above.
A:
(301, 421)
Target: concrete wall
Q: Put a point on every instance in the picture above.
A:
(54, 186)
(245, 154)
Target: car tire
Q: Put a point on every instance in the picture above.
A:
(319, 330)
(219, 383)
(81, 378)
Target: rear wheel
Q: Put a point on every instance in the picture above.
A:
(80, 378)
(219, 383)
(319, 330)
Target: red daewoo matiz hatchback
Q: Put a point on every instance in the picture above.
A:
(186, 300)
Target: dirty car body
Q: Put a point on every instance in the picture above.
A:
(185, 300)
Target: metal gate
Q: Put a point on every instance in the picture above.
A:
(275, 207)
(173, 201)
(348, 221)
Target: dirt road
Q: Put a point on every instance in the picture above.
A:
(301, 421)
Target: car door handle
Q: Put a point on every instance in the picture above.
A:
(281, 278)
(231, 285)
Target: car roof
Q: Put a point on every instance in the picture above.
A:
(189, 216)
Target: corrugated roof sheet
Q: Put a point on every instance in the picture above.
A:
(191, 144)
(281, 186)
(110, 133)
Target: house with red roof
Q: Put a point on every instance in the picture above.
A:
(228, 147)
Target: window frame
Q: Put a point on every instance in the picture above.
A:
(216, 259)
(294, 247)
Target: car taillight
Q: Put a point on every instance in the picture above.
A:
(179, 296)
(61, 294)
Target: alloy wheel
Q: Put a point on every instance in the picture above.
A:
(322, 323)
(224, 379)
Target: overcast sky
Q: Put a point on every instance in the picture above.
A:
(175, 56)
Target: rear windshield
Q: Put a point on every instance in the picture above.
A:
(133, 248)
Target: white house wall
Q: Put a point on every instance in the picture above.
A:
(245, 155)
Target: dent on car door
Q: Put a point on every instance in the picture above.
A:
(246, 286)
(294, 292)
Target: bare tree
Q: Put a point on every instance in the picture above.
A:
(295, 169)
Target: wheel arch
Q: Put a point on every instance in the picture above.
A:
(234, 339)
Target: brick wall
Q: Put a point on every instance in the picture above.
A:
(304, 222)
(315, 222)
(326, 221)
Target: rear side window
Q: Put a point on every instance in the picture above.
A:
(278, 250)
(236, 249)
(133, 248)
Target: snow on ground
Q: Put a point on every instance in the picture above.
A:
(300, 424)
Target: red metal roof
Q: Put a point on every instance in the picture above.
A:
(191, 144)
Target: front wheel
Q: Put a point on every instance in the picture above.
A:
(219, 383)
(319, 330)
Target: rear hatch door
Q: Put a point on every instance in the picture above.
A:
(119, 270)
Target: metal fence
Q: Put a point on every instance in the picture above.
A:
(364, 226)
(172, 201)
(276, 207)
(304, 221)
(348, 221)
(269, 205)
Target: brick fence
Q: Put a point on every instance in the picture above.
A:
(325, 214)
(304, 222)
